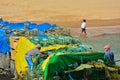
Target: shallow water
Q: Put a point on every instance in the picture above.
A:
(98, 43)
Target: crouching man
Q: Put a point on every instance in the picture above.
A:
(32, 53)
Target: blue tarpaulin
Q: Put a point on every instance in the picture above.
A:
(41, 35)
(32, 26)
(2, 32)
(20, 25)
(43, 27)
(4, 45)
(14, 26)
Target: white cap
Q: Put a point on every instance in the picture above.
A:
(38, 45)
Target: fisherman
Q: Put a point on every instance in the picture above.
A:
(32, 53)
(109, 53)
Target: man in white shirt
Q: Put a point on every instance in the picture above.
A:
(83, 28)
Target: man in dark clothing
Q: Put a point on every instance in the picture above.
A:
(109, 53)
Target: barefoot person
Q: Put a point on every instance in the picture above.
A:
(83, 28)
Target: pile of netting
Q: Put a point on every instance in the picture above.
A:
(64, 63)
(58, 31)
(94, 70)
(50, 40)
(72, 44)
(94, 65)
(69, 58)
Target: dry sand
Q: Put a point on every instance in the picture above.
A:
(65, 13)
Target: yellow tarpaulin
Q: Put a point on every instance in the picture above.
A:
(23, 46)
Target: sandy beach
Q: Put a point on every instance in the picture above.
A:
(65, 13)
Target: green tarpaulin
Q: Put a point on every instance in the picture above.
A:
(60, 62)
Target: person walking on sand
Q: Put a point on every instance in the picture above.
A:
(83, 28)
(109, 53)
